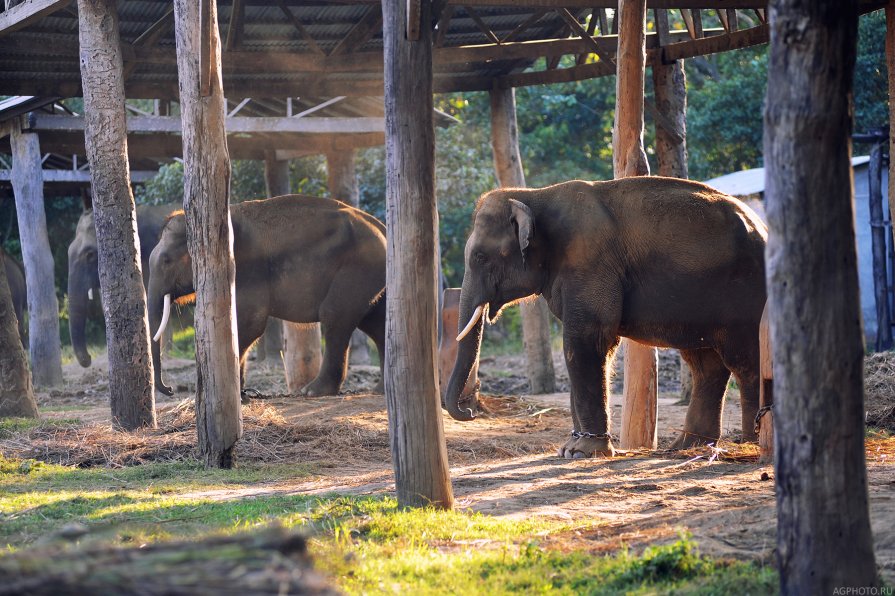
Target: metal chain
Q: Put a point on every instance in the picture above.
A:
(761, 412)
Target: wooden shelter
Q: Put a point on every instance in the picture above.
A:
(198, 52)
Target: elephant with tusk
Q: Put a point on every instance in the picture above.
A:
(298, 258)
(662, 261)
(83, 268)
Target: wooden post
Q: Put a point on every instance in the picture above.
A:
(765, 420)
(16, 393)
(43, 308)
(131, 385)
(890, 66)
(419, 453)
(640, 410)
(342, 181)
(670, 84)
(508, 165)
(206, 196)
(823, 526)
(301, 342)
(878, 245)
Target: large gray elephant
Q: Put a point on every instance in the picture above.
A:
(83, 270)
(298, 258)
(665, 262)
(15, 275)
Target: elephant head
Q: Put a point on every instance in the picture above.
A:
(170, 280)
(504, 264)
(83, 283)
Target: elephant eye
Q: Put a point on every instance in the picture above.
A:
(481, 258)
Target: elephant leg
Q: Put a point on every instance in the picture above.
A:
(745, 366)
(336, 335)
(374, 326)
(248, 333)
(586, 359)
(702, 423)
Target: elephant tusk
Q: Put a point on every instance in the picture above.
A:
(166, 314)
(89, 293)
(476, 315)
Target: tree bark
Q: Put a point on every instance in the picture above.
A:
(301, 343)
(43, 308)
(508, 166)
(823, 528)
(342, 181)
(419, 453)
(640, 410)
(16, 393)
(206, 197)
(131, 385)
(670, 85)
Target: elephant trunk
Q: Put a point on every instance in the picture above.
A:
(78, 287)
(156, 305)
(472, 317)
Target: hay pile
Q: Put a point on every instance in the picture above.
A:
(879, 390)
(272, 562)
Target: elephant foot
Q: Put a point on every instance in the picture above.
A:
(689, 439)
(584, 445)
(319, 387)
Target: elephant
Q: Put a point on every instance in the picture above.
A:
(661, 261)
(298, 258)
(83, 270)
(15, 276)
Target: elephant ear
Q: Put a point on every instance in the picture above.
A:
(524, 221)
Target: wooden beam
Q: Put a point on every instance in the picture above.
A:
(235, 124)
(521, 27)
(572, 21)
(27, 13)
(571, 4)
(591, 29)
(693, 21)
(481, 24)
(663, 28)
(640, 409)
(712, 45)
(444, 23)
(235, 26)
(78, 176)
(299, 27)
(148, 39)
(360, 33)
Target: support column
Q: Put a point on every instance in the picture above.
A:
(823, 526)
(301, 342)
(535, 315)
(639, 413)
(890, 66)
(43, 308)
(670, 84)
(206, 196)
(419, 453)
(342, 181)
(131, 385)
(16, 393)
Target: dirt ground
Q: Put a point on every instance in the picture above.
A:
(502, 463)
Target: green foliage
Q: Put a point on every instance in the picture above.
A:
(871, 78)
(164, 187)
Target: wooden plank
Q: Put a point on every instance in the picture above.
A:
(576, 27)
(78, 176)
(444, 24)
(299, 27)
(360, 33)
(524, 25)
(481, 24)
(235, 26)
(235, 124)
(821, 467)
(27, 13)
(663, 28)
(209, 236)
(591, 29)
(890, 67)
(419, 453)
(712, 45)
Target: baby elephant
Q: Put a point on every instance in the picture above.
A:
(298, 258)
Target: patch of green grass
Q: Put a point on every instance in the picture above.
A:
(13, 426)
(875, 432)
(66, 408)
(184, 343)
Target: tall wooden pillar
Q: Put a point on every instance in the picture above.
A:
(301, 342)
(890, 64)
(342, 180)
(16, 393)
(206, 196)
(43, 308)
(508, 165)
(670, 84)
(823, 527)
(131, 385)
(639, 413)
(419, 453)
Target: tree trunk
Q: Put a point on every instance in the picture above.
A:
(508, 166)
(419, 453)
(43, 308)
(670, 84)
(890, 65)
(301, 343)
(342, 180)
(206, 196)
(131, 386)
(823, 527)
(639, 413)
(16, 394)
